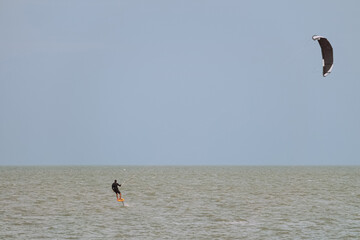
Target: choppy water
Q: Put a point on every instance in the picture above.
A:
(180, 203)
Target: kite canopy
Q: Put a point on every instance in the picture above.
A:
(327, 54)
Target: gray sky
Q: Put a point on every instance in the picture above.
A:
(178, 82)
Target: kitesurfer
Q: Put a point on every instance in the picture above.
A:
(115, 188)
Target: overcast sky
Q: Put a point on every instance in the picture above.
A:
(194, 82)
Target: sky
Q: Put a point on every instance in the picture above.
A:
(181, 82)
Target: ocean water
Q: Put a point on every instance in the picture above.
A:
(180, 203)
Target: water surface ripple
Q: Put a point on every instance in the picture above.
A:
(180, 203)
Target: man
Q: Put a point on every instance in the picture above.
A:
(116, 190)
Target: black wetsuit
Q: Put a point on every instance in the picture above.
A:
(115, 187)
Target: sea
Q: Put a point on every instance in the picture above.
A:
(180, 202)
